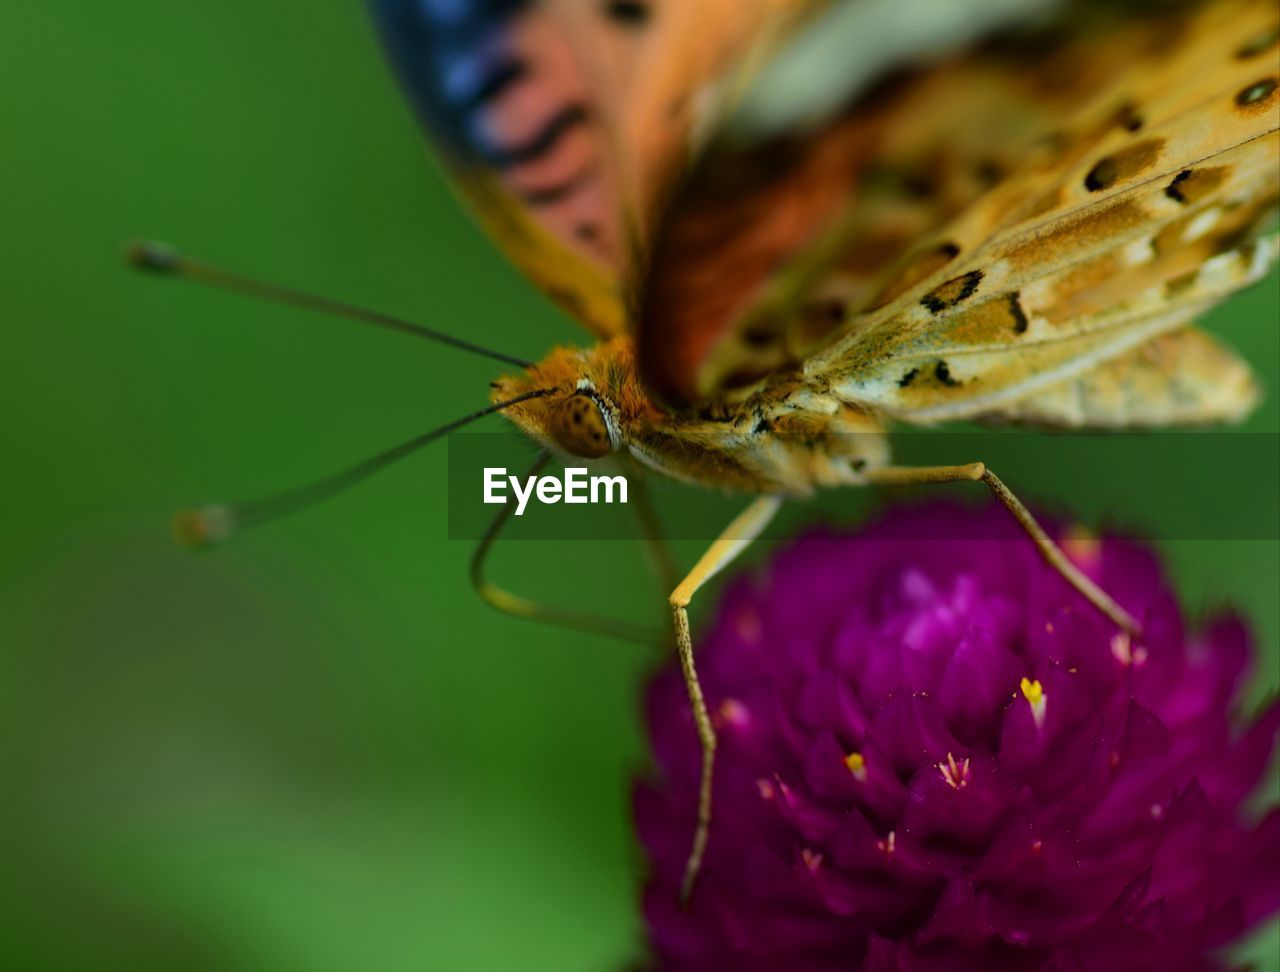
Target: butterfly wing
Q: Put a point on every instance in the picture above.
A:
(995, 206)
(563, 121)
(498, 85)
(1133, 231)
(1182, 377)
(1015, 342)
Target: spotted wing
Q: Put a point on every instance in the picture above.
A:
(1182, 377)
(564, 120)
(968, 232)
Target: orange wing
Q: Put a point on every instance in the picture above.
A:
(564, 121)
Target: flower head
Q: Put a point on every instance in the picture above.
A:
(935, 755)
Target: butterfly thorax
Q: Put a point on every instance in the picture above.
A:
(785, 438)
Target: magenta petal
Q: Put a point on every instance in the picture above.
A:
(826, 772)
(1260, 871)
(909, 731)
(975, 686)
(813, 820)
(887, 956)
(1137, 778)
(1229, 780)
(827, 702)
(957, 917)
(1209, 668)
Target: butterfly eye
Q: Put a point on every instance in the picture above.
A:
(578, 426)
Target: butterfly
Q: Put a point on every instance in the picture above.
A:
(783, 248)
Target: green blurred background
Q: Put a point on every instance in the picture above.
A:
(314, 748)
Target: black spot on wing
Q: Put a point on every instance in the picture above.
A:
(1256, 93)
(628, 13)
(1172, 190)
(1101, 176)
(942, 372)
(1129, 118)
(1190, 186)
(543, 141)
(952, 292)
(908, 378)
(1017, 313)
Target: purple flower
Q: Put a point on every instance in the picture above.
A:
(935, 755)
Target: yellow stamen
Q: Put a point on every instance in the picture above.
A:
(955, 774)
(857, 766)
(889, 843)
(812, 859)
(1034, 693)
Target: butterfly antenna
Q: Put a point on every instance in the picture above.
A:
(162, 259)
(208, 525)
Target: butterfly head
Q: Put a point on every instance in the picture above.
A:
(581, 417)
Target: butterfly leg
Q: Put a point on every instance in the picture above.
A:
(1050, 551)
(748, 525)
(508, 603)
